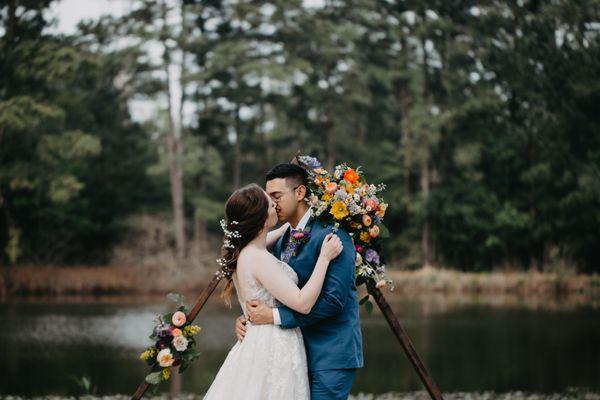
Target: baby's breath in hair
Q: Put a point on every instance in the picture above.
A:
(229, 234)
(226, 271)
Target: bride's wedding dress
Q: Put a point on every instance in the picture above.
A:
(270, 363)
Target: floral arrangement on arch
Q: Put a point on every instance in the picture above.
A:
(346, 200)
(174, 343)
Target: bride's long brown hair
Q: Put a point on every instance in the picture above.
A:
(246, 211)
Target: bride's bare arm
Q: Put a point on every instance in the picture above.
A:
(271, 275)
(276, 234)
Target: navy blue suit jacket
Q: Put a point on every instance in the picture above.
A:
(331, 330)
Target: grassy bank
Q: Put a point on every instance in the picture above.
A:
(110, 280)
(148, 280)
(436, 280)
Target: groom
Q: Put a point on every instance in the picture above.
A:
(331, 331)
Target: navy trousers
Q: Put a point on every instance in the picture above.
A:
(331, 384)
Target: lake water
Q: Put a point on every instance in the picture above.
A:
(466, 346)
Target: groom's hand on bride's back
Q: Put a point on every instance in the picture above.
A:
(259, 313)
(240, 327)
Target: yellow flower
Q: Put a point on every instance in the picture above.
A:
(191, 330)
(327, 197)
(365, 237)
(339, 210)
(166, 373)
(148, 354)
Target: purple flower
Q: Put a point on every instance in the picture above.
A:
(340, 195)
(371, 256)
(310, 162)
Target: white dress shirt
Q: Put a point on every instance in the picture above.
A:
(301, 225)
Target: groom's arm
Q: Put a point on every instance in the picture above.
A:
(340, 278)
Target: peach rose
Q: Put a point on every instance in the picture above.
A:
(331, 187)
(178, 318)
(165, 358)
(371, 204)
(366, 220)
(176, 332)
(374, 231)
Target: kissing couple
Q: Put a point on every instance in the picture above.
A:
(299, 337)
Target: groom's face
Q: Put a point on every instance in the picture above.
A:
(286, 197)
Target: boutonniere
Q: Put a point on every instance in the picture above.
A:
(298, 238)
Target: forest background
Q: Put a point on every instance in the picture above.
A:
(481, 118)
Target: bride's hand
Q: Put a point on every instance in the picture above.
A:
(240, 327)
(332, 247)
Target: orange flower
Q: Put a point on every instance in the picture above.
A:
(351, 176)
(381, 210)
(176, 332)
(319, 180)
(349, 189)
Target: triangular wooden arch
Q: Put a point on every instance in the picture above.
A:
(385, 308)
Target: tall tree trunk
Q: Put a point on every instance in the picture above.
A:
(403, 97)
(425, 186)
(174, 151)
(237, 150)
(425, 177)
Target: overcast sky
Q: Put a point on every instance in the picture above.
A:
(68, 13)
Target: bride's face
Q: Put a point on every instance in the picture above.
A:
(272, 213)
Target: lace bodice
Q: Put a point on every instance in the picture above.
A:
(248, 288)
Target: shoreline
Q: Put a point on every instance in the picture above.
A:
(139, 283)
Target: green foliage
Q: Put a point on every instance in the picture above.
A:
(481, 118)
(72, 163)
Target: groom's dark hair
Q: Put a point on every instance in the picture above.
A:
(290, 172)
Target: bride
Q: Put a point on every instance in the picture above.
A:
(270, 363)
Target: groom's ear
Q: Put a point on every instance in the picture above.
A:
(301, 193)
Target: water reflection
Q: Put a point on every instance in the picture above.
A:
(468, 344)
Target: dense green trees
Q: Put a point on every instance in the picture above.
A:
(481, 118)
(72, 163)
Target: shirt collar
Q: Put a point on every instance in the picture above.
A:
(304, 220)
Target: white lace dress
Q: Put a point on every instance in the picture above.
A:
(270, 363)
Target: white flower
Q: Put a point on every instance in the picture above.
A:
(358, 260)
(180, 343)
(165, 358)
